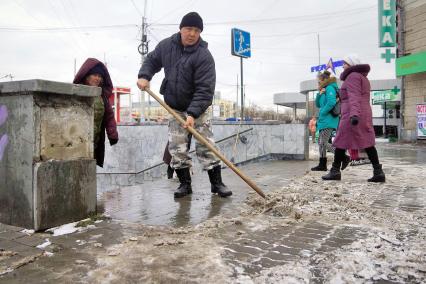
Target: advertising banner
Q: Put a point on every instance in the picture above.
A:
(421, 121)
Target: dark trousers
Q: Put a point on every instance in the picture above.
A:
(339, 156)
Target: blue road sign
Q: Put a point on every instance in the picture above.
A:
(240, 43)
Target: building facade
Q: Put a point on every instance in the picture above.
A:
(411, 64)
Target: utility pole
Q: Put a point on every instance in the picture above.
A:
(319, 50)
(277, 113)
(307, 95)
(75, 66)
(242, 89)
(143, 50)
(236, 102)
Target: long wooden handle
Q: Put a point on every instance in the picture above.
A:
(204, 141)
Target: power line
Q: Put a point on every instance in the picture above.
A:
(59, 29)
(311, 17)
(137, 9)
(175, 10)
(37, 20)
(120, 26)
(75, 39)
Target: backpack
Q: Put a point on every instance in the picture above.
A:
(335, 111)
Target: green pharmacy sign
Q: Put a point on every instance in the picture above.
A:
(387, 23)
(411, 64)
(380, 97)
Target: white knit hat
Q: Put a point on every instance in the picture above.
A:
(352, 59)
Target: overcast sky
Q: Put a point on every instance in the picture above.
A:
(41, 39)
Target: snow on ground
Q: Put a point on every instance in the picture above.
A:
(392, 216)
(64, 229)
(69, 228)
(44, 245)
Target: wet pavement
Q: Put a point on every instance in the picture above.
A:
(308, 231)
(153, 203)
(414, 154)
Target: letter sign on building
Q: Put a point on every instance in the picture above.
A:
(387, 23)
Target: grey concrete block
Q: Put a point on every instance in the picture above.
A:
(32, 86)
(46, 120)
(70, 134)
(65, 191)
(16, 164)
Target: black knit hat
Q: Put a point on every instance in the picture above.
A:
(97, 69)
(192, 19)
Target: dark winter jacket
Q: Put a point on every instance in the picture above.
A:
(355, 101)
(108, 123)
(190, 75)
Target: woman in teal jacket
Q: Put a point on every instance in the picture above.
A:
(326, 123)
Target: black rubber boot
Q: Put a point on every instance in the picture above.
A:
(345, 162)
(334, 174)
(322, 166)
(217, 185)
(170, 172)
(185, 183)
(378, 174)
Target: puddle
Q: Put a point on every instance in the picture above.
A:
(152, 203)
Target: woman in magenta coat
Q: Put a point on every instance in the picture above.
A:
(356, 124)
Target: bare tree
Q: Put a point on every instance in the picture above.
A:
(257, 113)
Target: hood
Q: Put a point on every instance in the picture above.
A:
(363, 69)
(327, 82)
(85, 68)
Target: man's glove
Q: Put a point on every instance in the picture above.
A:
(354, 120)
(113, 141)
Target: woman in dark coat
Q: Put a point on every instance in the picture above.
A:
(94, 73)
(356, 123)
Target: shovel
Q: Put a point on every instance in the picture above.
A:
(204, 141)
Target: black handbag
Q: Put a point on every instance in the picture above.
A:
(335, 111)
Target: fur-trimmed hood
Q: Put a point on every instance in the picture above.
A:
(363, 69)
(326, 82)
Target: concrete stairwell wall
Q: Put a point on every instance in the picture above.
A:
(142, 146)
(47, 170)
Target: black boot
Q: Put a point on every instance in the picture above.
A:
(378, 174)
(170, 172)
(185, 183)
(334, 174)
(217, 185)
(322, 166)
(345, 162)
